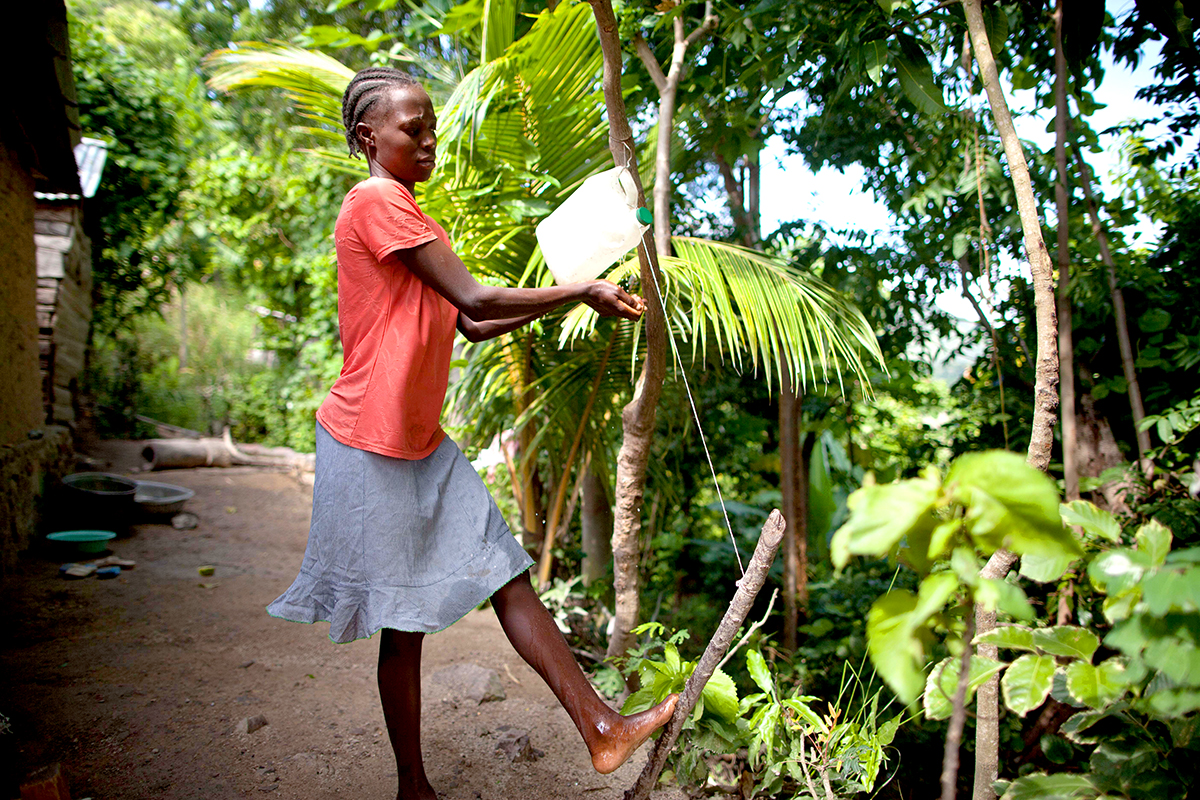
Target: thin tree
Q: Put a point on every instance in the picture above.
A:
(987, 730)
(1119, 316)
(638, 417)
(1066, 348)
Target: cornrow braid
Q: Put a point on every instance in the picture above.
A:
(365, 89)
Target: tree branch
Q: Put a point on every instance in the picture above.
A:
(643, 51)
(735, 615)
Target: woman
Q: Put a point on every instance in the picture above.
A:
(405, 538)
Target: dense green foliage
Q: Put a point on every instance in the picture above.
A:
(216, 306)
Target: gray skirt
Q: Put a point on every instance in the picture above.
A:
(408, 545)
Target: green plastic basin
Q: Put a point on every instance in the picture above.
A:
(84, 541)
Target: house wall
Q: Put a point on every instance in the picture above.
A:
(20, 383)
(64, 305)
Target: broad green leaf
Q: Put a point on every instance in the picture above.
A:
(916, 80)
(759, 672)
(895, 649)
(942, 683)
(1027, 682)
(1174, 702)
(640, 700)
(942, 537)
(874, 57)
(999, 594)
(887, 731)
(1093, 520)
(932, 595)
(1079, 728)
(806, 713)
(1010, 504)
(1056, 749)
(720, 695)
(1118, 570)
(1045, 569)
(1041, 786)
(1154, 320)
(1154, 539)
(1096, 686)
(888, 5)
(995, 22)
(882, 515)
(671, 652)
(966, 565)
(822, 504)
(1066, 640)
(1013, 637)
(1168, 590)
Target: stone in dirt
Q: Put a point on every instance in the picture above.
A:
(461, 682)
(514, 745)
(251, 724)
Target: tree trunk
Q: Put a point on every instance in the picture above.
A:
(597, 524)
(987, 733)
(737, 207)
(1066, 348)
(790, 486)
(753, 191)
(1118, 301)
(1046, 383)
(803, 489)
(637, 418)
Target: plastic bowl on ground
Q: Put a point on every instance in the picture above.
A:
(96, 500)
(161, 498)
(83, 541)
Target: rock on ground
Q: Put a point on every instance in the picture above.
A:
(463, 683)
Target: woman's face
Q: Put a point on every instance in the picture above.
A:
(399, 136)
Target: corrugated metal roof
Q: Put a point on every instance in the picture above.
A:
(90, 155)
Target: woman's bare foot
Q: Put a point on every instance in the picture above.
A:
(618, 737)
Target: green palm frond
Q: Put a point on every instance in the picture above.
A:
(499, 25)
(313, 81)
(753, 308)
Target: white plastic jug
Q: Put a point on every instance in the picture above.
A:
(596, 225)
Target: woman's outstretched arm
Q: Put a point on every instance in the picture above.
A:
(438, 266)
(474, 331)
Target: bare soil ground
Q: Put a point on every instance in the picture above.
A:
(137, 684)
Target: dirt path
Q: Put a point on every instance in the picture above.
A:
(137, 684)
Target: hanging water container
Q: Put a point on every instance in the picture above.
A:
(596, 225)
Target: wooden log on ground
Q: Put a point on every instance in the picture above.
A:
(185, 453)
(223, 452)
(748, 589)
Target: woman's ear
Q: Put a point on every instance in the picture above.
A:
(366, 136)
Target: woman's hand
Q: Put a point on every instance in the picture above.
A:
(610, 300)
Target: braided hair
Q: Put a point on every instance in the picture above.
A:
(365, 89)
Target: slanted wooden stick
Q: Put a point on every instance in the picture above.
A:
(748, 589)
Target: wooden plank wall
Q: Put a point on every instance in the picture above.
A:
(64, 298)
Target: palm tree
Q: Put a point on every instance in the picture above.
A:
(520, 132)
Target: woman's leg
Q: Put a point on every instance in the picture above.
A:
(400, 693)
(610, 737)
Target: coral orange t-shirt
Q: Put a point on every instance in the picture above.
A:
(397, 332)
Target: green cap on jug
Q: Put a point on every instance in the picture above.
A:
(644, 216)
